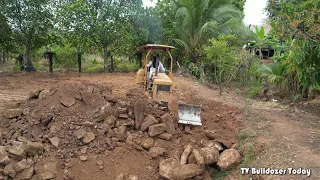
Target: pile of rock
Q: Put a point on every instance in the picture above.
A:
(81, 120)
(18, 161)
(196, 162)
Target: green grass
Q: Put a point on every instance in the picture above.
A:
(220, 174)
(126, 67)
(94, 68)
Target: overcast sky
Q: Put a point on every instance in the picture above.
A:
(253, 10)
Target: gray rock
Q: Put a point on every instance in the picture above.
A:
(148, 121)
(89, 136)
(55, 141)
(21, 165)
(17, 151)
(9, 170)
(4, 158)
(138, 113)
(168, 121)
(80, 133)
(25, 174)
(210, 154)
(47, 170)
(147, 143)
(157, 129)
(103, 112)
(33, 148)
(12, 113)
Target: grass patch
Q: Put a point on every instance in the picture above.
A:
(220, 174)
(126, 67)
(94, 68)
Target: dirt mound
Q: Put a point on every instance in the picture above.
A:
(82, 123)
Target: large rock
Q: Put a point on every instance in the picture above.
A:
(67, 101)
(166, 119)
(44, 94)
(33, 148)
(199, 158)
(47, 171)
(154, 152)
(17, 151)
(147, 143)
(9, 170)
(103, 112)
(148, 121)
(166, 168)
(21, 165)
(12, 113)
(138, 113)
(165, 136)
(208, 143)
(171, 169)
(187, 171)
(210, 154)
(157, 129)
(25, 174)
(229, 159)
(88, 137)
(80, 133)
(4, 158)
(55, 141)
(185, 155)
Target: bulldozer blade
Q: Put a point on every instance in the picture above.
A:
(190, 114)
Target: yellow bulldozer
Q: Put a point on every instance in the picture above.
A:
(157, 81)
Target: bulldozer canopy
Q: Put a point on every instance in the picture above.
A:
(156, 47)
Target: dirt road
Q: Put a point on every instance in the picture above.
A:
(291, 137)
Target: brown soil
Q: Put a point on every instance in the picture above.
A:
(290, 136)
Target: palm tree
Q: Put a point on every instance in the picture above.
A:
(196, 21)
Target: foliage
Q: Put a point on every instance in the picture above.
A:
(5, 38)
(197, 21)
(221, 61)
(297, 23)
(31, 20)
(276, 73)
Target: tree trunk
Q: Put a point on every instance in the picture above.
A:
(112, 66)
(79, 61)
(27, 55)
(3, 57)
(202, 75)
(105, 51)
(50, 63)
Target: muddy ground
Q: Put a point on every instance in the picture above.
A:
(268, 134)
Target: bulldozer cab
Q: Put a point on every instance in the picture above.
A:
(160, 82)
(159, 85)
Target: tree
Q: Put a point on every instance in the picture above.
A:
(239, 4)
(196, 21)
(5, 38)
(105, 22)
(297, 22)
(31, 20)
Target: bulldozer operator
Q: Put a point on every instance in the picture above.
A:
(152, 67)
